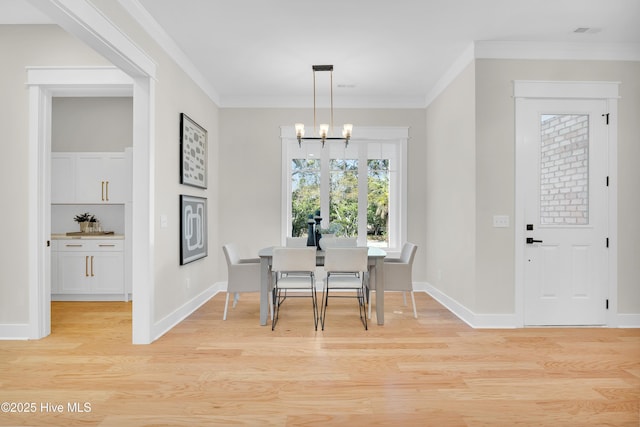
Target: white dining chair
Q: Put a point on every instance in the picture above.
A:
(398, 275)
(243, 276)
(345, 268)
(293, 270)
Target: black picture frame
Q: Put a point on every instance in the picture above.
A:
(193, 228)
(193, 153)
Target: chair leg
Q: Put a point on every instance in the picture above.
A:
(369, 298)
(314, 301)
(275, 298)
(362, 307)
(226, 305)
(413, 300)
(325, 297)
(404, 297)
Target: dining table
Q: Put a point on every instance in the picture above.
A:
(376, 278)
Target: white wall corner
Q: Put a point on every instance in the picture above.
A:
(458, 66)
(164, 325)
(476, 321)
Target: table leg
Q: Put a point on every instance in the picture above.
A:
(379, 278)
(264, 290)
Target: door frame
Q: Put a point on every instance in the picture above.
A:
(86, 22)
(563, 90)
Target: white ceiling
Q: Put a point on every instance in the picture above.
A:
(385, 53)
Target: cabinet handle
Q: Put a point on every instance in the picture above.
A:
(73, 246)
(91, 265)
(86, 266)
(107, 185)
(102, 191)
(106, 245)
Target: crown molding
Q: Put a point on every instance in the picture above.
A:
(157, 33)
(534, 50)
(557, 51)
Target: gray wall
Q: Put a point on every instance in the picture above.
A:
(22, 46)
(250, 172)
(495, 109)
(471, 163)
(91, 124)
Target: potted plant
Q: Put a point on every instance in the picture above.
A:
(85, 220)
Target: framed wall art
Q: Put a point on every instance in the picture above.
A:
(193, 153)
(193, 228)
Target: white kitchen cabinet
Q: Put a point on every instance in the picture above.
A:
(89, 178)
(63, 177)
(88, 267)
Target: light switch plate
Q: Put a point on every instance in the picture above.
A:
(501, 221)
(163, 221)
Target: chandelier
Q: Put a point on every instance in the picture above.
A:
(324, 129)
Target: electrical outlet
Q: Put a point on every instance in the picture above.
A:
(501, 221)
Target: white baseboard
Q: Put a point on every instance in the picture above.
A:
(19, 331)
(164, 325)
(499, 321)
(628, 320)
(475, 320)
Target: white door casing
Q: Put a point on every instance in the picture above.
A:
(563, 167)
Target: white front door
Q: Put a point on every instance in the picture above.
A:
(562, 161)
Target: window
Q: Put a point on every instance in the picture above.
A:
(359, 190)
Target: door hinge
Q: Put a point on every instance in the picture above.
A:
(606, 116)
(607, 243)
(607, 304)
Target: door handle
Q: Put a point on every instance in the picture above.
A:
(531, 241)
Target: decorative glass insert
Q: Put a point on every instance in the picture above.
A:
(564, 169)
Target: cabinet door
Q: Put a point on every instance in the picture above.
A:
(115, 177)
(108, 272)
(74, 270)
(63, 179)
(89, 178)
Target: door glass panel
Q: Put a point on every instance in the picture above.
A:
(564, 169)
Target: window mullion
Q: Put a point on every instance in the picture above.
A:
(363, 192)
(325, 187)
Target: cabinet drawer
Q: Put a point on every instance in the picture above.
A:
(80, 245)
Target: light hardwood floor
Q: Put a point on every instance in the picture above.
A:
(430, 371)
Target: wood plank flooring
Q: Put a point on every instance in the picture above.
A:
(430, 371)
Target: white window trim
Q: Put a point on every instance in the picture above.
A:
(398, 134)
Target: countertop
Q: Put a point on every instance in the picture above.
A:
(88, 237)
